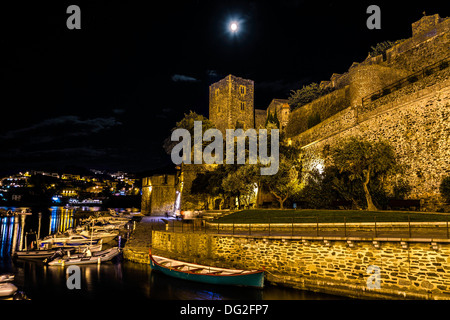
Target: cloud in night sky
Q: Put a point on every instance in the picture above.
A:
(66, 126)
(183, 78)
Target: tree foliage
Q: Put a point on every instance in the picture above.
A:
(286, 182)
(306, 95)
(364, 163)
(444, 188)
(272, 119)
(241, 182)
(381, 47)
(187, 123)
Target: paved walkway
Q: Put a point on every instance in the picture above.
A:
(136, 247)
(427, 230)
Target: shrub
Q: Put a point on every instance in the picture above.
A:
(401, 189)
(318, 192)
(380, 48)
(444, 188)
(306, 95)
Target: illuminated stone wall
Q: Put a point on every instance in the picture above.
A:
(415, 124)
(159, 194)
(231, 103)
(260, 118)
(282, 109)
(409, 268)
(413, 118)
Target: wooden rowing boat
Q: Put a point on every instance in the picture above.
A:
(207, 274)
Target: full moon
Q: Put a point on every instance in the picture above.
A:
(233, 26)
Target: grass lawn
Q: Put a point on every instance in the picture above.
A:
(330, 216)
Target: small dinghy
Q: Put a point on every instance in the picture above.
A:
(7, 289)
(207, 274)
(60, 259)
(6, 277)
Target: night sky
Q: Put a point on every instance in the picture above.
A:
(106, 96)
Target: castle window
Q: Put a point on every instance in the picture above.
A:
(242, 89)
(242, 106)
(217, 92)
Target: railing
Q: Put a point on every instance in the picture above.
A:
(298, 227)
(414, 77)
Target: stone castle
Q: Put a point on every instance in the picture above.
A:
(401, 95)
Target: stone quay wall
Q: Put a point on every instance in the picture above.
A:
(408, 268)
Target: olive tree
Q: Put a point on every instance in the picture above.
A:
(364, 161)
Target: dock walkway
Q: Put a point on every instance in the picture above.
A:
(136, 248)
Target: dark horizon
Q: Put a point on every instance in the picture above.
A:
(106, 96)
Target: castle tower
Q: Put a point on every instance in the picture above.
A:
(231, 103)
(282, 109)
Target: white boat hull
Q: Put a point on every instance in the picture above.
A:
(98, 257)
(7, 289)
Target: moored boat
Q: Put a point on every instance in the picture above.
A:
(207, 274)
(84, 258)
(105, 235)
(67, 240)
(7, 289)
(40, 254)
(6, 277)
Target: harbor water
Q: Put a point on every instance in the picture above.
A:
(117, 279)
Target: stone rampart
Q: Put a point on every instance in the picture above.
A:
(414, 120)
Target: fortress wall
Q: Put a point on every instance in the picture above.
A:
(417, 124)
(422, 49)
(416, 89)
(429, 44)
(366, 79)
(325, 106)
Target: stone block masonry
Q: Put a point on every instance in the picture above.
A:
(409, 268)
(414, 123)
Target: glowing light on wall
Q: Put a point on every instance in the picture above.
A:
(319, 167)
(178, 201)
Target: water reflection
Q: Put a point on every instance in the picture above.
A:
(117, 279)
(8, 226)
(58, 219)
(131, 281)
(61, 219)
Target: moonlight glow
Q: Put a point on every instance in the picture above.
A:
(233, 26)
